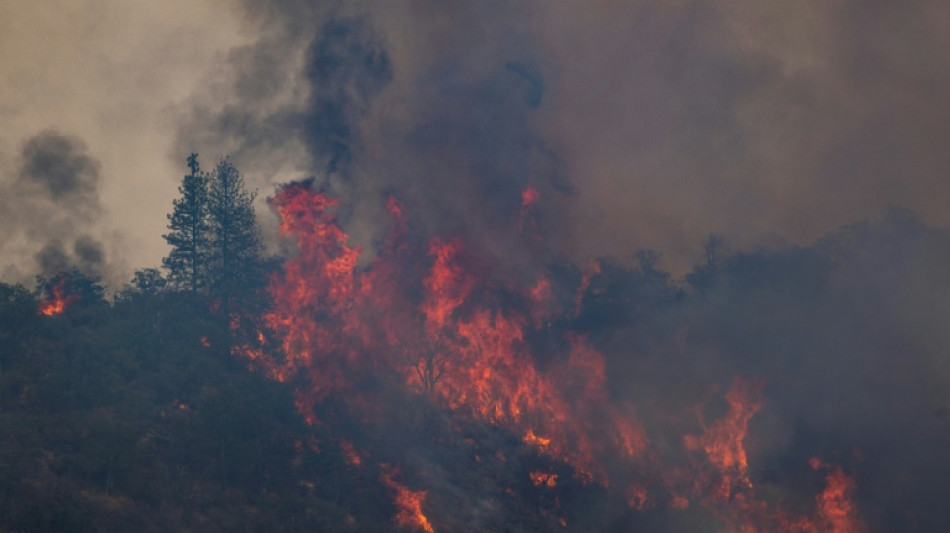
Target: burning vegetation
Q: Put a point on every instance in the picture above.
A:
(432, 319)
(58, 300)
(426, 335)
(450, 391)
(408, 502)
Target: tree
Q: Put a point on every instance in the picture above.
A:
(17, 316)
(148, 281)
(430, 360)
(189, 235)
(235, 239)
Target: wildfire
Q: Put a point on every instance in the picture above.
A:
(534, 440)
(408, 502)
(543, 479)
(58, 300)
(448, 283)
(836, 511)
(529, 197)
(335, 322)
(723, 443)
(431, 318)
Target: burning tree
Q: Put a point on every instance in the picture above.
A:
(430, 361)
(440, 326)
(61, 291)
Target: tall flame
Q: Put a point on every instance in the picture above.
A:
(335, 321)
(723, 442)
(433, 319)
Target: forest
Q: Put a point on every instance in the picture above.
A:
(432, 388)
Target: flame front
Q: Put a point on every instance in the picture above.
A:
(336, 322)
(434, 319)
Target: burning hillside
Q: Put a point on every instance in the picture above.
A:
(559, 266)
(434, 319)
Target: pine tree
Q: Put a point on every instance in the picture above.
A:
(189, 236)
(235, 237)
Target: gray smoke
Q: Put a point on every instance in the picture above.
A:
(454, 139)
(60, 166)
(52, 258)
(670, 121)
(654, 124)
(52, 209)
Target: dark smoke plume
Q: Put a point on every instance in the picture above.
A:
(347, 68)
(53, 210)
(454, 140)
(653, 125)
(60, 166)
(52, 258)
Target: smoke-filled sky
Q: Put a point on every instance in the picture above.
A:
(643, 124)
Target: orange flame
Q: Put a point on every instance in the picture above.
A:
(723, 483)
(448, 283)
(333, 321)
(543, 479)
(58, 300)
(723, 442)
(531, 438)
(408, 502)
(836, 510)
(430, 318)
(529, 196)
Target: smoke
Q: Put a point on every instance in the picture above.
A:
(668, 121)
(844, 334)
(52, 210)
(89, 254)
(52, 258)
(60, 166)
(746, 120)
(347, 68)
(373, 112)
(653, 125)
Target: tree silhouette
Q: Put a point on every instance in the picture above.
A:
(189, 235)
(235, 240)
